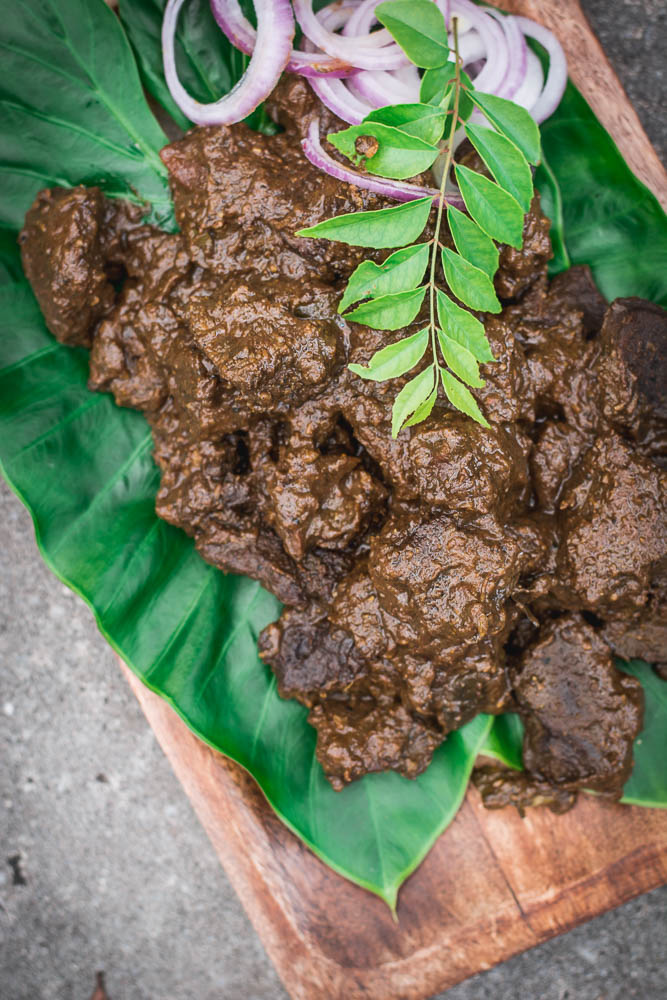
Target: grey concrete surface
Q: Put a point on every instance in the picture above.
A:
(103, 864)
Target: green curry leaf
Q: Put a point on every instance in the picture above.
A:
(505, 161)
(495, 211)
(411, 397)
(395, 359)
(471, 242)
(469, 283)
(385, 227)
(398, 154)
(513, 121)
(400, 272)
(421, 120)
(390, 312)
(419, 28)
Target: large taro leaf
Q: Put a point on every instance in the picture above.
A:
(603, 215)
(83, 468)
(647, 785)
(72, 109)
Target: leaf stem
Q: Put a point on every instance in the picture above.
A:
(443, 184)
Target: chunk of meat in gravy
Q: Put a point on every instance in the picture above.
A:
(633, 374)
(426, 578)
(614, 530)
(353, 741)
(501, 786)
(62, 258)
(581, 714)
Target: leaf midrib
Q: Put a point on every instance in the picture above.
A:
(111, 107)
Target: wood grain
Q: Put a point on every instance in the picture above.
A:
(493, 884)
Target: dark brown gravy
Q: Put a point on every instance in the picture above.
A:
(453, 571)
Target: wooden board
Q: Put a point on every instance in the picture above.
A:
(493, 884)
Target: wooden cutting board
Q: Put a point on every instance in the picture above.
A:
(494, 884)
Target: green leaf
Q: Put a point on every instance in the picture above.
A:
(389, 312)
(411, 397)
(463, 327)
(647, 785)
(421, 120)
(395, 359)
(10, 258)
(460, 360)
(399, 154)
(423, 412)
(513, 121)
(505, 741)
(84, 468)
(609, 220)
(73, 111)
(401, 271)
(385, 227)
(435, 82)
(461, 398)
(551, 203)
(498, 213)
(505, 161)
(471, 242)
(419, 28)
(472, 286)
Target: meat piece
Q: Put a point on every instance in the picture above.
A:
(560, 360)
(367, 738)
(644, 635)
(309, 658)
(240, 197)
(553, 460)
(581, 714)
(500, 787)
(320, 500)
(633, 373)
(445, 582)
(272, 344)
(448, 461)
(62, 258)
(614, 530)
(509, 393)
(455, 686)
(518, 269)
(576, 288)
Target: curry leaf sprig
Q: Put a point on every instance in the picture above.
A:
(401, 141)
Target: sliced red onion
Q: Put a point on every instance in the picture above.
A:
(363, 19)
(333, 93)
(496, 50)
(369, 52)
(556, 81)
(275, 31)
(340, 99)
(380, 88)
(532, 85)
(241, 34)
(471, 48)
(397, 190)
(518, 52)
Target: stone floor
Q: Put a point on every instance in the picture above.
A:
(103, 864)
